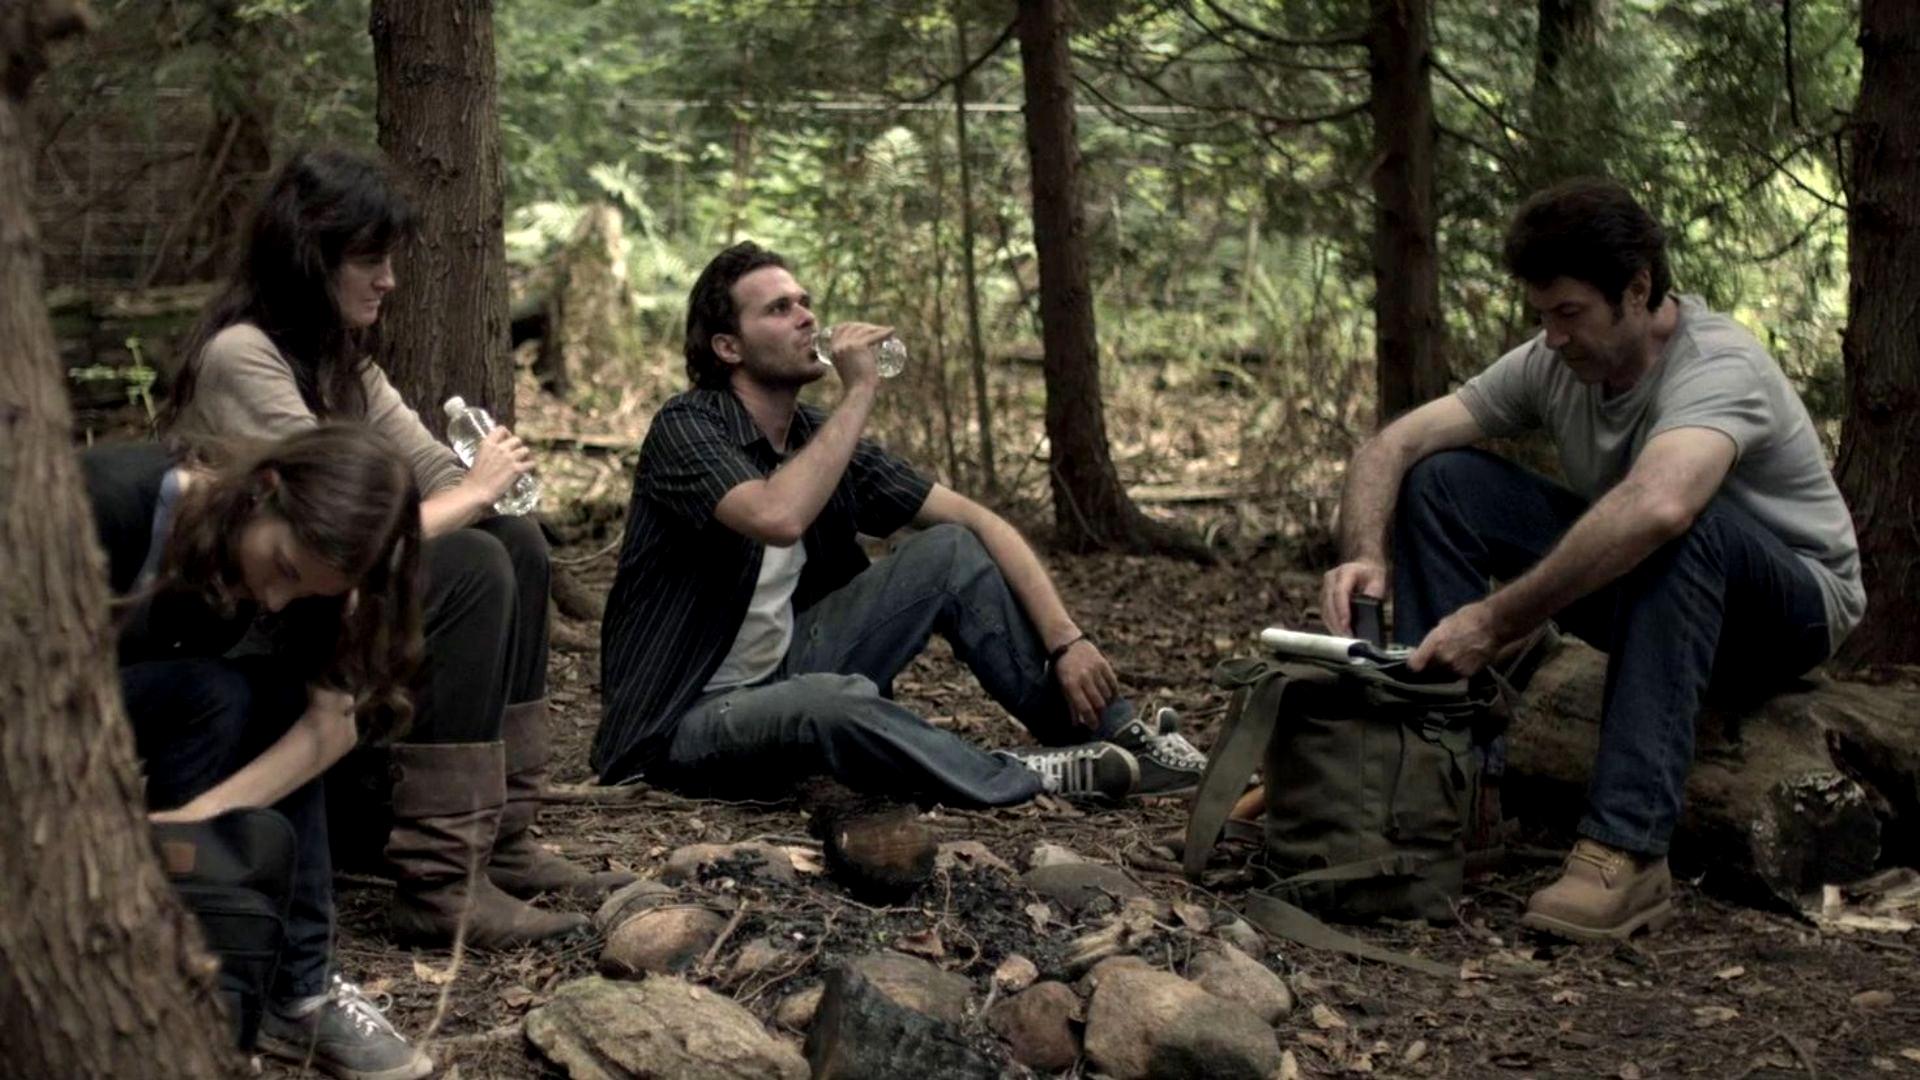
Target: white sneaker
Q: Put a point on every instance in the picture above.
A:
(343, 1034)
(1098, 770)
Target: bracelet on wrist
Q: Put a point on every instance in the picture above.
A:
(1060, 651)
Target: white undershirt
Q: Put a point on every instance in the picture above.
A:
(767, 630)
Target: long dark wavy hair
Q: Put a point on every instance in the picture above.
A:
(350, 499)
(322, 208)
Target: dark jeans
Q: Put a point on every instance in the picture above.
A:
(829, 709)
(484, 621)
(1724, 610)
(195, 723)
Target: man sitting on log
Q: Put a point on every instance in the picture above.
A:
(747, 642)
(1700, 540)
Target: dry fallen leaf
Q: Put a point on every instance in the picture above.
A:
(1911, 1053)
(1326, 1019)
(926, 943)
(1015, 973)
(1569, 997)
(1709, 1015)
(427, 973)
(516, 997)
(805, 860)
(1040, 913)
(1629, 1071)
(1873, 999)
(1193, 916)
(1289, 1067)
(1733, 972)
(1415, 1052)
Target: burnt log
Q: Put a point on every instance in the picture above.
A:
(859, 1033)
(1817, 784)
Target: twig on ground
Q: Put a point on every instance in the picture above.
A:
(713, 951)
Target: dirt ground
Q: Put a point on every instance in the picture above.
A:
(1724, 992)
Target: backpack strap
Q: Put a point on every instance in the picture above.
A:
(1259, 687)
(1284, 920)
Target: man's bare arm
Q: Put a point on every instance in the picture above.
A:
(1085, 676)
(778, 509)
(1373, 487)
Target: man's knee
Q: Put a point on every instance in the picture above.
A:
(1439, 472)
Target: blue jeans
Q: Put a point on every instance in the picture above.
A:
(195, 723)
(1724, 611)
(829, 709)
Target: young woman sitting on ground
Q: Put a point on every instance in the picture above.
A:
(314, 542)
(287, 345)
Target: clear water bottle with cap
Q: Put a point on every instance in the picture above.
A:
(467, 425)
(891, 361)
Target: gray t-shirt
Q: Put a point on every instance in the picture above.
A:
(1713, 375)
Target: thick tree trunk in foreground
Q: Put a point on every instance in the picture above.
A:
(1879, 465)
(1817, 785)
(101, 971)
(1406, 259)
(1090, 508)
(438, 109)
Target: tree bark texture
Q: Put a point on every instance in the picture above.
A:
(102, 973)
(1879, 467)
(976, 343)
(1406, 263)
(1817, 785)
(1090, 508)
(438, 110)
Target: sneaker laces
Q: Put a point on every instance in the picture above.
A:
(360, 1010)
(1054, 765)
(1171, 748)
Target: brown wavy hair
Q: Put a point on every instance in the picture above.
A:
(323, 207)
(349, 498)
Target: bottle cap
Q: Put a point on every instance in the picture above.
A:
(455, 406)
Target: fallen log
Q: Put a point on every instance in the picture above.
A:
(1818, 784)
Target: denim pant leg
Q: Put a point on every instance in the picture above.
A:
(195, 723)
(746, 741)
(943, 581)
(1465, 517)
(1724, 610)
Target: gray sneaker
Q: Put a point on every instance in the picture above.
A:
(343, 1034)
(1169, 764)
(1097, 770)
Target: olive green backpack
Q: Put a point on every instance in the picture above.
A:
(1371, 778)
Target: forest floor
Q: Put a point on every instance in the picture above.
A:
(1725, 991)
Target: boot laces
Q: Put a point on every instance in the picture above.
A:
(1603, 859)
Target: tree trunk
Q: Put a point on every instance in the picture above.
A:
(1568, 29)
(1817, 785)
(982, 403)
(1090, 508)
(439, 119)
(1406, 265)
(102, 973)
(1879, 467)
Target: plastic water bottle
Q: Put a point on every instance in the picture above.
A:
(891, 361)
(466, 427)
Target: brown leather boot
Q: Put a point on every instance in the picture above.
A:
(1604, 894)
(520, 866)
(446, 810)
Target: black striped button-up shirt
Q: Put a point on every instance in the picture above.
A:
(685, 579)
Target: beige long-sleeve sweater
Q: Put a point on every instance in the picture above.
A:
(246, 389)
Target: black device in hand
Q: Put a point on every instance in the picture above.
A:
(1364, 612)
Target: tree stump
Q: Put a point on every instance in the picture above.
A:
(590, 314)
(1817, 784)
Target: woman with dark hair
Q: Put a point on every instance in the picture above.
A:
(316, 539)
(288, 345)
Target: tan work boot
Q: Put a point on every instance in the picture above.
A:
(520, 866)
(446, 811)
(1603, 894)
